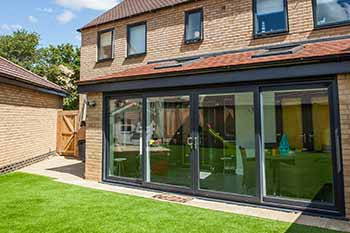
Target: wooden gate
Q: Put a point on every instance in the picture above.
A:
(67, 128)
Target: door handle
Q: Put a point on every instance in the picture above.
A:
(337, 150)
(189, 141)
(192, 142)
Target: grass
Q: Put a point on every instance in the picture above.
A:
(37, 204)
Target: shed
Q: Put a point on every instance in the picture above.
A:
(28, 116)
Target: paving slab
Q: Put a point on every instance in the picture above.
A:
(71, 171)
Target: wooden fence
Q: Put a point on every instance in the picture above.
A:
(67, 133)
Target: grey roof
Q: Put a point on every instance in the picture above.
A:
(13, 72)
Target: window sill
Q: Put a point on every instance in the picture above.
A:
(331, 25)
(104, 60)
(270, 34)
(188, 42)
(136, 55)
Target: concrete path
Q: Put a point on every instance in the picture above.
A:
(71, 171)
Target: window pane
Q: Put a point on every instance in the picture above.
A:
(298, 158)
(270, 16)
(227, 143)
(125, 132)
(168, 131)
(137, 40)
(194, 26)
(105, 50)
(332, 11)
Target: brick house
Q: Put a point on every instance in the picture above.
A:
(28, 116)
(238, 100)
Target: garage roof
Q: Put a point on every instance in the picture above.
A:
(10, 72)
(128, 8)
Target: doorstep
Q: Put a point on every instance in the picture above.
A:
(70, 171)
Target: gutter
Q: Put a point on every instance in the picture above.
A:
(31, 85)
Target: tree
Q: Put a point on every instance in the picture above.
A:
(59, 64)
(20, 48)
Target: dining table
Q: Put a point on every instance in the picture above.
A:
(274, 162)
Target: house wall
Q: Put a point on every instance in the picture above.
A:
(28, 122)
(228, 25)
(93, 160)
(344, 108)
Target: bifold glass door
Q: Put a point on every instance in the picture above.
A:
(168, 149)
(298, 145)
(125, 137)
(266, 143)
(227, 143)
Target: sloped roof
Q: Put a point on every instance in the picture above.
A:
(236, 60)
(128, 8)
(11, 71)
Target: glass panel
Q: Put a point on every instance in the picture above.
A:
(194, 26)
(270, 16)
(227, 143)
(168, 131)
(137, 39)
(298, 158)
(332, 11)
(125, 137)
(105, 50)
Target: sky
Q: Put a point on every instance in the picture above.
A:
(56, 21)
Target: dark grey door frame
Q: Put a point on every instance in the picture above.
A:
(168, 187)
(338, 182)
(217, 194)
(257, 88)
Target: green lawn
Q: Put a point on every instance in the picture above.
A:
(38, 204)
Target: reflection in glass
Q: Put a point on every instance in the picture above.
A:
(105, 43)
(227, 143)
(270, 16)
(125, 130)
(168, 131)
(194, 26)
(137, 39)
(298, 159)
(332, 11)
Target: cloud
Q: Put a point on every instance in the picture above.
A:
(32, 19)
(65, 17)
(10, 27)
(89, 4)
(46, 10)
(331, 12)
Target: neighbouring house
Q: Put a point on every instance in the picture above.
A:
(28, 116)
(247, 101)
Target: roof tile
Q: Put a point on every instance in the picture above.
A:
(129, 8)
(16, 72)
(310, 51)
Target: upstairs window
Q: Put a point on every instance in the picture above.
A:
(331, 12)
(105, 45)
(137, 39)
(270, 16)
(194, 26)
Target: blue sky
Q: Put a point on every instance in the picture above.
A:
(55, 20)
